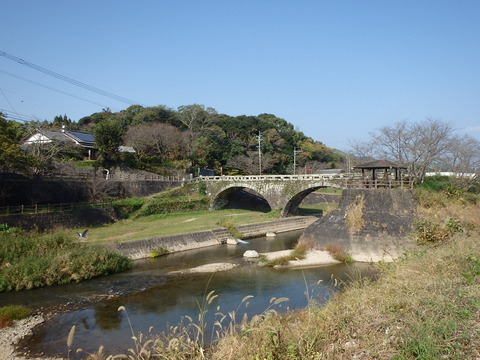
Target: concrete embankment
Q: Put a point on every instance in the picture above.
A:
(370, 224)
(139, 249)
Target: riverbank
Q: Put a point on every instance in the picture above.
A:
(423, 307)
(11, 335)
(141, 249)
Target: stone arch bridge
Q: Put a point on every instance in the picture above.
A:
(283, 192)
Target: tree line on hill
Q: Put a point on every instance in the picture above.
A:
(194, 137)
(188, 138)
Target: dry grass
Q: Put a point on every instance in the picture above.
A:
(337, 252)
(354, 215)
(422, 308)
(425, 306)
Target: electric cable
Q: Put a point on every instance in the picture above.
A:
(53, 89)
(9, 103)
(69, 80)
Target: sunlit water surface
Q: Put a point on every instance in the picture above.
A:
(155, 298)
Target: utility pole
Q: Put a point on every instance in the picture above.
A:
(295, 152)
(259, 137)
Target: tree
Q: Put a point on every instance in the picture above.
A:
(415, 145)
(248, 163)
(11, 155)
(108, 138)
(196, 118)
(162, 140)
(463, 159)
(59, 121)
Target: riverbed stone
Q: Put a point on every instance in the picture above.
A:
(251, 254)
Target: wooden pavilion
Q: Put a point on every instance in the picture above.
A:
(381, 165)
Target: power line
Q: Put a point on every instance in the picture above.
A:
(69, 80)
(8, 101)
(17, 117)
(53, 89)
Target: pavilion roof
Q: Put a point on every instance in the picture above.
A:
(379, 164)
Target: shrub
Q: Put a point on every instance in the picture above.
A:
(41, 260)
(86, 164)
(158, 252)
(338, 253)
(158, 205)
(429, 232)
(297, 253)
(232, 229)
(15, 312)
(435, 183)
(126, 207)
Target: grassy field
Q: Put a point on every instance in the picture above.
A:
(172, 224)
(165, 224)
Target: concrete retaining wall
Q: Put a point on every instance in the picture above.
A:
(388, 217)
(140, 249)
(277, 226)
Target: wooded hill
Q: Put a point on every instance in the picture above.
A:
(195, 136)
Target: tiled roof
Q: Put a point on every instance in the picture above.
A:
(53, 135)
(379, 164)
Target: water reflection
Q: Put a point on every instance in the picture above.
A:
(160, 298)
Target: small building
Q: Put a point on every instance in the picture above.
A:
(381, 169)
(80, 138)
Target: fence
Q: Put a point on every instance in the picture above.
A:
(114, 175)
(35, 209)
(375, 184)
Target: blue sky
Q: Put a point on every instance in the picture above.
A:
(334, 69)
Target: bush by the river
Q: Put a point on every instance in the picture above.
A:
(30, 260)
(180, 199)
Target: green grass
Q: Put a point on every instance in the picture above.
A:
(310, 210)
(330, 190)
(15, 312)
(29, 260)
(171, 224)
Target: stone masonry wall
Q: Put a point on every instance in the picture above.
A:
(28, 192)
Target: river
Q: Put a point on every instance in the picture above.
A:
(153, 297)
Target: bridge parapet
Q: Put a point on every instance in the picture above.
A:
(278, 177)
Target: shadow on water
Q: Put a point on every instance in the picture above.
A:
(153, 297)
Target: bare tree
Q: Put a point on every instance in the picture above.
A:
(249, 163)
(463, 159)
(158, 139)
(415, 145)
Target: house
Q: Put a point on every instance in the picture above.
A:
(83, 139)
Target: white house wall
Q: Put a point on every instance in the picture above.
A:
(38, 138)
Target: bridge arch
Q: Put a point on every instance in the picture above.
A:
(223, 197)
(285, 193)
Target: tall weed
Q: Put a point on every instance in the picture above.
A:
(32, 260)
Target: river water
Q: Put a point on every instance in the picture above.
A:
(153, 297)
